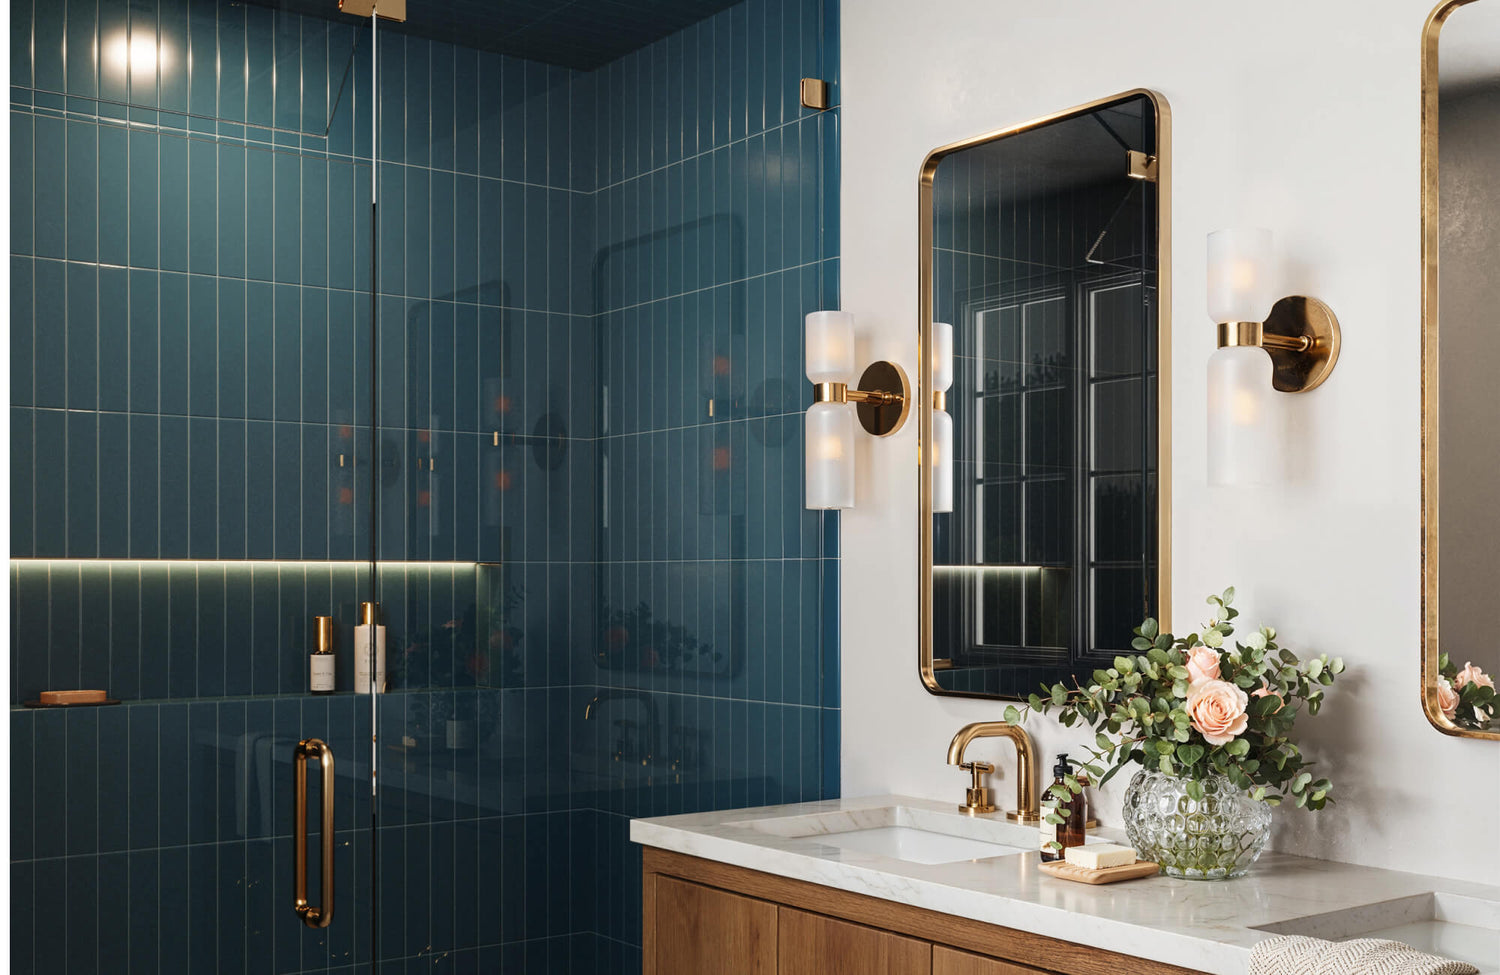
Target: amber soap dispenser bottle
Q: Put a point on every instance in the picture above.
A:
(1070, 831)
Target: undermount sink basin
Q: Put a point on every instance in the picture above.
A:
(905, 833)
(1451, 925)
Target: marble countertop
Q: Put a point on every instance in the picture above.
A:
(1207, 926)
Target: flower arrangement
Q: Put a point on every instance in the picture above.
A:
(1195, 707)
(1466, 696)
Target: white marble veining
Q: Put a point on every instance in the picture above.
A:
(1209, 927)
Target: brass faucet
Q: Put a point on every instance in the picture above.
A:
(978, 799)
(647, 704)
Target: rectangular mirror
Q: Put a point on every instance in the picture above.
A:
(1044, 247)
(1461, 346)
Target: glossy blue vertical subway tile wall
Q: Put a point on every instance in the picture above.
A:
(555, 435)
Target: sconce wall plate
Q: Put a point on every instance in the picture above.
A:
(1301, 336)
(884, 414)
(1301, 366)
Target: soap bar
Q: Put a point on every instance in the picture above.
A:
(1100, 855)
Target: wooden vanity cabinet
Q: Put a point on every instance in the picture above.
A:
(700, 916)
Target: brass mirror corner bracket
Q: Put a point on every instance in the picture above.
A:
(882, 400)
(1301, 336)
(814, 92)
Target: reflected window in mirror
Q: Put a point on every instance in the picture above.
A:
(1046, 259)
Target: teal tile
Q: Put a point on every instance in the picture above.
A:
(113, 339)
(203, 495)
(144, 480)
(260, 213)
(50, 182)
(172, 347)
(314, 222)
(229, 498)
(113, 498)
(260, 68)
(21, 36)
(22, 500)
(287, 232)
(83, 48)
(203, 204)
(144, 197)
(227, 221)
(171, 205)
(142, 67)
(173, 491)
(22, 192)
(260, 350)
(22, 344)
(83, 336)
(202, 346)
(173, 39)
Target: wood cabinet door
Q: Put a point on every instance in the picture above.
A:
(948, 961)
(810, 944)
(702, 929)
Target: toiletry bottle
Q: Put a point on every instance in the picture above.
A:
(1070, 832)
(369, 624)
(321, 660)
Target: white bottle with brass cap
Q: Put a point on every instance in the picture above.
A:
(369, 627)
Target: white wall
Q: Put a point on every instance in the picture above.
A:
(1299, 116)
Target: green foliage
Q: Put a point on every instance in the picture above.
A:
(1138, 710)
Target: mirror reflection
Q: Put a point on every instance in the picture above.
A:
(1044, 259)
(1468, 439)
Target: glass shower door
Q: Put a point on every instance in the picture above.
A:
(190, 484)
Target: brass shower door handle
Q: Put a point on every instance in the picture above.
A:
(314, 916)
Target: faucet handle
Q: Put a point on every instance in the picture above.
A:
(978, 798)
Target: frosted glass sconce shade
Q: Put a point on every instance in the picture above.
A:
(942, 462)
(880, 403)
(942, 422)
(830, 455)
(1242, 411)
(828, 339)
(1239, 275)
(942, 356)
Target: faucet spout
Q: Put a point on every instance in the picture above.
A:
(644, 701)
(1027, 808)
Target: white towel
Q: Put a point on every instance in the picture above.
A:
(1297, 955)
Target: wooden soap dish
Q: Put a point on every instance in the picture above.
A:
(1083, 875)
(71, 699)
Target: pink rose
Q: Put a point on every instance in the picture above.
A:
(1218, 711)
(1472, 675)
(1265, 691)
(1202, 665)
(1447, 698)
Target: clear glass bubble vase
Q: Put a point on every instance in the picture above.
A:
(1216, 837)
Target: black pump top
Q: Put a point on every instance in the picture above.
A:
(1063, 767)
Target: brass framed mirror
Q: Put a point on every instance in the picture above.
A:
(1460, 347)
(1045, 248)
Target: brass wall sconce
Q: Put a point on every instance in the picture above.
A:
(1291, 350)
(881, 400)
